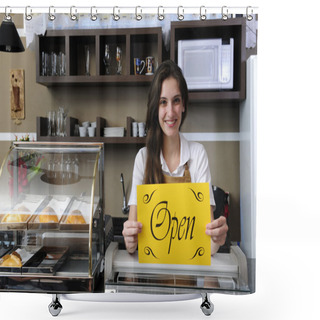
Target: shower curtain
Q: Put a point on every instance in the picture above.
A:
(85, 77)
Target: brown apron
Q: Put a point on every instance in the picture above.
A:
(186, 177)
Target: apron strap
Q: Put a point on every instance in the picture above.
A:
(185, 179)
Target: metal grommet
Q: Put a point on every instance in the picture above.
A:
(28, 15)
(73, 16)
(160, 15)
(138, 16)
(6, 14)
(51, 15)
(93, 17)
(203, 16)
(224, 13)
(180, 14)
(116, 17)
(249, 15)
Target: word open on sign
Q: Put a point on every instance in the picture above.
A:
(174, 218)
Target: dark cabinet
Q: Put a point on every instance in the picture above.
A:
(80, 54)
(218, 28)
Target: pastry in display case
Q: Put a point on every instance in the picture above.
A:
(51, 218)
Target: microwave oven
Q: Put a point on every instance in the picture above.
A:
(207, 63)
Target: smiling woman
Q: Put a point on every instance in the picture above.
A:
(167, 109)
(171, 108)
(168, 157)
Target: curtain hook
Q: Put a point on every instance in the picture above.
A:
(224, 13)
(93, 17)
(180, 14)
(116, 17)
(160, 16)
(28, 15)
(249, 15)
(6, 14)
(203, 16)
(73, 16)
(138, 16)
(51, 15)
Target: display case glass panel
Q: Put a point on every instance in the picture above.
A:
(51, 220)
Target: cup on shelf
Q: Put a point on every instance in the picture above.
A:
(62, 64)
(91, 131)
(149, 65)
(83, 131)
(60, 127)
(141, 129)
(44, 62)
(134, 129)
(76, 130)
(54, 64)
(138, 65)
(94, 124)
(51, 123)
(86, 124)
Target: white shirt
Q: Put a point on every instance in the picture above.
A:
(192, 152)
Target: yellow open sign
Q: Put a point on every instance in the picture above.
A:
(174, 218)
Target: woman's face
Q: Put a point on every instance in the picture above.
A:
(170, 107)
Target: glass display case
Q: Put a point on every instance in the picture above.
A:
(55, 238)
(51, 218)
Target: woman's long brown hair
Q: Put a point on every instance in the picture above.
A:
(153, 171)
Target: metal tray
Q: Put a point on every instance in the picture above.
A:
(35, 224)
(46, 260)
(19, 225)
(74, 204)
(28, 252)
(13, 225)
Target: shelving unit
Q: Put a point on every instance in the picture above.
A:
(231, 28)
(42, 132)
(134, 43)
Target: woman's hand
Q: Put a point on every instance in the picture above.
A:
(217, 230)
(130, 232)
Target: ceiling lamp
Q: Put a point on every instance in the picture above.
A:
(9, 37)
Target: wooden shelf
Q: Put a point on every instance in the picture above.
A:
(131, 80)
(42, 133)
(134, 43)
(232, 28)
(109, 140)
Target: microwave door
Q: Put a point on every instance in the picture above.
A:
(201, 68)
(207, 64)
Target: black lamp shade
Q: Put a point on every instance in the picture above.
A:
(9, 38)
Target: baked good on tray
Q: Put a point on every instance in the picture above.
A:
(11, 260)
(75, 217)
(18, 215)
(48, 215)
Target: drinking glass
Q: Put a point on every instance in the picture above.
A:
(60, 124)
(48, 64)
(62, 64)
(50, 169)
(43, 64)
(51, 123)
(53, 64)
(87, 60)
(106, 58)
(119, 57)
